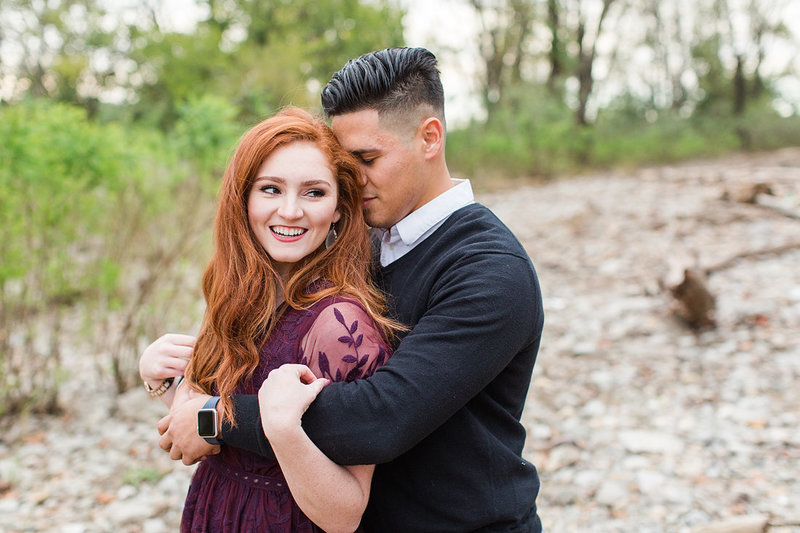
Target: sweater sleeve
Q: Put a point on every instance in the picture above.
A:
(483, 310)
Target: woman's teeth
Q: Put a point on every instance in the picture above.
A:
(287, 232)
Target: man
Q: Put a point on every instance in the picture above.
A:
(441, 418)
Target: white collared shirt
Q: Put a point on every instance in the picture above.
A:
(418, 225)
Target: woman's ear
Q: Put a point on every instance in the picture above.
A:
(337, 215)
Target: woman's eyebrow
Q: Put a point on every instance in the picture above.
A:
(306, 183)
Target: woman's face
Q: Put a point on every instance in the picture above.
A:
(292, 203)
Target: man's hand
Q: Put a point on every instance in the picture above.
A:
(179, 432)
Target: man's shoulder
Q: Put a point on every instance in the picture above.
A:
(476, 229)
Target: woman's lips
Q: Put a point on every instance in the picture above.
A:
(287, 234)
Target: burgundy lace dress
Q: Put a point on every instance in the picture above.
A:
(240, 491)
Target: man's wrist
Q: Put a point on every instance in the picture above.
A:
(248, 434)
(209, 422)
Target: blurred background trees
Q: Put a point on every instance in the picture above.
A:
(117, 120)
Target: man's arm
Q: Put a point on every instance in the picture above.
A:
(469, 334)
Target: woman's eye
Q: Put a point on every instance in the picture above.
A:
(316, 193)
(270, 189)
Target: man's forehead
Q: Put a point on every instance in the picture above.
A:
(359, 132)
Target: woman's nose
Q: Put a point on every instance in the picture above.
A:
(290, 209)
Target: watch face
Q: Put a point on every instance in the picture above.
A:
(207, 423)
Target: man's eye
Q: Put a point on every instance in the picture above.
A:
(367, 160)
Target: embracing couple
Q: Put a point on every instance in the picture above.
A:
(345, 380)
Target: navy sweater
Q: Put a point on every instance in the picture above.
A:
(441, 418)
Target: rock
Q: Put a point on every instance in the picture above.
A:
(155, 525)
(562, 456)
(132, 511)
(640, 441)
(8, 505)
(741, 524)
(612, 494)
(649, 481)
(73, 528)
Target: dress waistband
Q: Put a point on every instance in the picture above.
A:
(258, 481)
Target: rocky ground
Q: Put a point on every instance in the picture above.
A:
(636, 422)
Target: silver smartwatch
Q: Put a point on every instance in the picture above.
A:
(207, 423)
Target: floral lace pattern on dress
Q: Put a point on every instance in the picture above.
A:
(336, 348)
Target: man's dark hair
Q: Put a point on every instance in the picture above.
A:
(394, 80)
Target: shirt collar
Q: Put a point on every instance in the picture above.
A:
(418, 222)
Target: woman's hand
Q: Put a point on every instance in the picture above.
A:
(284, 397)
(166, 357)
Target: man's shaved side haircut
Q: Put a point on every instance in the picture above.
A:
(399, 83)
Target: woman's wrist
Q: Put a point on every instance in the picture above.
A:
(279, 430)
(161, 388)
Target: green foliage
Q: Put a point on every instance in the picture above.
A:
(205, 134)
(137, 476)
(58, 171)
(97, 217)
(259, 56)
(535, 136)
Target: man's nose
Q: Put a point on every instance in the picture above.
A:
(362, 178)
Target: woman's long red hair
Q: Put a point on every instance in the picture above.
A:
(241, 283)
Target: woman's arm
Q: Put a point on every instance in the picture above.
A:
(165, 358)
(334, 497)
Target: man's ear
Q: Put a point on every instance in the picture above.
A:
(432, 136)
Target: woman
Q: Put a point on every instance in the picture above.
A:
(288, 284)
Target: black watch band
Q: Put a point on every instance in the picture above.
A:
(207, 424)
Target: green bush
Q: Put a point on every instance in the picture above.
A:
(59, 173)
(105, 223)
(532, 135)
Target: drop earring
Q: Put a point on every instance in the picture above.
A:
(330, 239)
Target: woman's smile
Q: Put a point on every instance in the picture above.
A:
(287, 233)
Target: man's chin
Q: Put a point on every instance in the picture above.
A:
(375, 223)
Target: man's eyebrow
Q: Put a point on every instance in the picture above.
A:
(362, 151)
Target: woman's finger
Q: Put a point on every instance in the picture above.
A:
(305, 374)
(180, 339)
(177, 351)
(317, 386)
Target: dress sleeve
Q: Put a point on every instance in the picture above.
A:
(343, 343)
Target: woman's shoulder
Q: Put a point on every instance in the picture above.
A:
(343, 343)
(343, 300)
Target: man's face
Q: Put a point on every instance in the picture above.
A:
(394, 183)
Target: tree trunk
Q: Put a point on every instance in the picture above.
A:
(554, 56)
(586, 56)
(739, 87)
